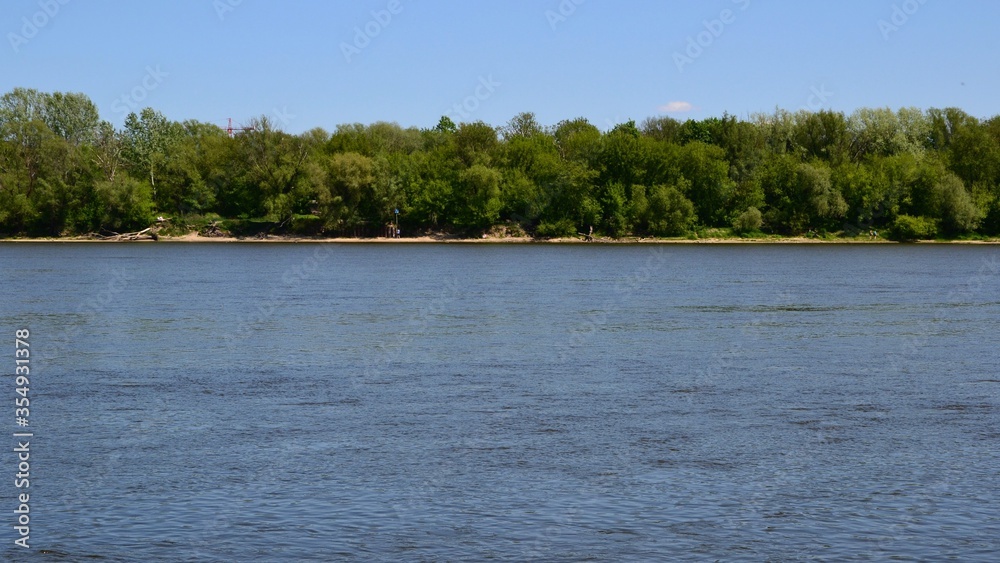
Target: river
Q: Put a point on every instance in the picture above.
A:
(273, 402)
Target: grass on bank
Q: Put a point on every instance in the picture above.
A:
(906, 229)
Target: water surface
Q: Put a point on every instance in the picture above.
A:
(378, 402)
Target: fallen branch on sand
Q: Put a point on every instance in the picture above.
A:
(213, 231)
(145, 234)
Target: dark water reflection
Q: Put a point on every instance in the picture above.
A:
(239, 403)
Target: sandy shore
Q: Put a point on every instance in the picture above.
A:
(197, 239)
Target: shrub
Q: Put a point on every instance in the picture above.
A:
(125, 204)
(558, 229)
(671, 214)
(308, 225)
(907, 228)
(954, 204)
(750, 221)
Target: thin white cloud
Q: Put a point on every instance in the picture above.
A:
(676, 107)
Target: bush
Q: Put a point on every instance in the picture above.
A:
(954, 205)
(558, 229)
(307, 225)
(248, 227)
(671, 214)
(750, 221)
(124, 205)
(991, 223)
(909, 229)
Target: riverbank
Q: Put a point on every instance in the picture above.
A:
(447, 239)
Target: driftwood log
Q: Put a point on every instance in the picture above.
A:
(150, 233)
(213, 231)
(145, 234)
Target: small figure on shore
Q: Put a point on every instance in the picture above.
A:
(397, 233)
(875, 234)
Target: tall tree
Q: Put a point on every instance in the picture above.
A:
(149, 139)
(274, 170)
(74, 117)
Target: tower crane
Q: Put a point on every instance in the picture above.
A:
(234, 130)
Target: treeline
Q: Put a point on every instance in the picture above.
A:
(917, 174)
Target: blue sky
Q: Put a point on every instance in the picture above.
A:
(320, 63)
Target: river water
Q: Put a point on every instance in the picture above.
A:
(267, 402)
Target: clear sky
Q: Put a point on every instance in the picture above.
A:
(320, 63)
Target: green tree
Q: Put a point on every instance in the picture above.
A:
(149, 141)
(63, 170)
(578, 140)
(522, 198)
(800, 195)
(476, 143)
(446, 125)
(623, 156)
(616, 203)
(107, 151)
(37, 167)
(190, 178)
(523, 125)
(974, 155)
(705, 167)
(571, 197)
(870, 201)
(944, 124)
(954, 206)
(748, 222)
(123, 205)
(670, 213)
(379, 138)
(907, 228)
(275, 173)
(350, 180)
(823, 135)
(778, 131)
(479, 197)
(818, 200)
(73, 117)
(662, 129)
